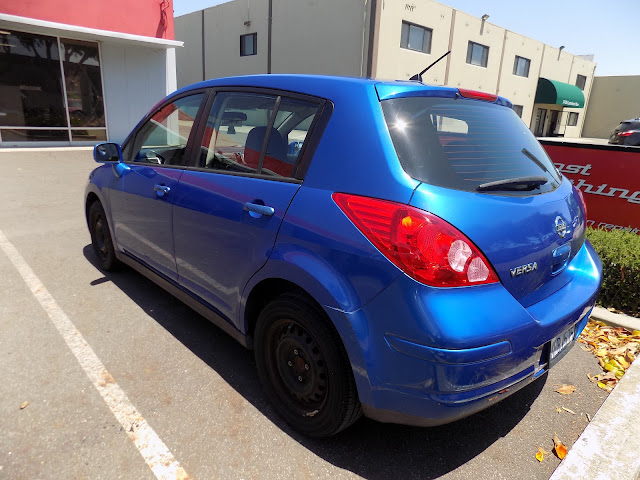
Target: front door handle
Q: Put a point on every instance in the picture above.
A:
(253, 208)
(161, 190)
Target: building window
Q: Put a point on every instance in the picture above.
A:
(518, 110)
(521, 66)
(477, 54)
(36, 71)
(573, 119)
(415, 37)
(580, 81)
(248, 44)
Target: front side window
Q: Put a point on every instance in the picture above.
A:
(415, 37)
(237, 127)
(477, 54)
(162, 140)
(248, 44)
(521, 66)
(581, 80)
(573, 119)
(469, 143)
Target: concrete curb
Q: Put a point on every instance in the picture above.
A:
(608, 448)
(615, 319)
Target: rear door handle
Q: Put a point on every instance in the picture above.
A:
(161, 190)
(259, 209)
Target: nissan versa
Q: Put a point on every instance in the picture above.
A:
(392, 249)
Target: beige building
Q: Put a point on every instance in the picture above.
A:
(548, 86)
(613, 100)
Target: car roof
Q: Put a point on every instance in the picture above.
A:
(325, 86)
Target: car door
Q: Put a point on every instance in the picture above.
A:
(141, 208)
(228, 211)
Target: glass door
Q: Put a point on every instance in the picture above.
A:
(541, 117)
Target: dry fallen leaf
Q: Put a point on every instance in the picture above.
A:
(566, 389)
(559, 447)
(558, 410)
(570, 411)
(24, 405)
(540, 454)
(614, 347)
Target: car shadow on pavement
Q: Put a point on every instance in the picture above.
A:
(370, 449)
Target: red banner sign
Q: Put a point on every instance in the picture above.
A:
(609, 178)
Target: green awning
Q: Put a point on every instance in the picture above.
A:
(558, 93)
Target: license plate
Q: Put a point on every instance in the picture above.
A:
(562, 342)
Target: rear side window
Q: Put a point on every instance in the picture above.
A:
(462, 144)
(239, 124)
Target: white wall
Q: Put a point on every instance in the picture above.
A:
(520, 90)
(464, 75)
(135, 79)
(613, 100)
(396, 63)
(328, 37)
(223, 26)
(189, 58)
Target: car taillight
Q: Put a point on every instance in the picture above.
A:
(487, 97)
(422, 245)
(584, 204)
(626, 134)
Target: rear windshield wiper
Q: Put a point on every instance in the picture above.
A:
(532, 157)
(524, 184)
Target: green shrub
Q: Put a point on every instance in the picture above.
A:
(620, 255)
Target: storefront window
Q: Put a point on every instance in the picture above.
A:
(81, 61)
(30, 81)
(33, 107)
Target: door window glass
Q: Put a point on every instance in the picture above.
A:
(236, 130)
(163, 139)
(294, 119)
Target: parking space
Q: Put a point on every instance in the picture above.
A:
(196, 387)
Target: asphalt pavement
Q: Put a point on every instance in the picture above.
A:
(194, 386)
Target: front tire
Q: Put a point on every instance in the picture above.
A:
(101, 238)
(304, 368)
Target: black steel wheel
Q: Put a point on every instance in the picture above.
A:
(304, 368)
(101, 238)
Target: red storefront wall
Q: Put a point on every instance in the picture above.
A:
(609, 178)
(151, 18)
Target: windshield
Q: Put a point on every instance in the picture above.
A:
(464, 144)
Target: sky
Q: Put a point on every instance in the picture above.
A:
(607, 29)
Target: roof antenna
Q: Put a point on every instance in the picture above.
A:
(418, 76)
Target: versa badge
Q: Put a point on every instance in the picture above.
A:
(522, 269)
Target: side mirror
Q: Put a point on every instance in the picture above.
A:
(107, 152)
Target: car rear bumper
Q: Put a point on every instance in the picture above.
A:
(433, 356)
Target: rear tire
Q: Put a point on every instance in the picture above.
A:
(101, 238)
(304, 368)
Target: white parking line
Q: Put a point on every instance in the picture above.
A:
(151, 447)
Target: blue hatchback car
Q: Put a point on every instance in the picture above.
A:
(402, 251)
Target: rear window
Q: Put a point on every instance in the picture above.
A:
(625, 126)
(462, 144)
